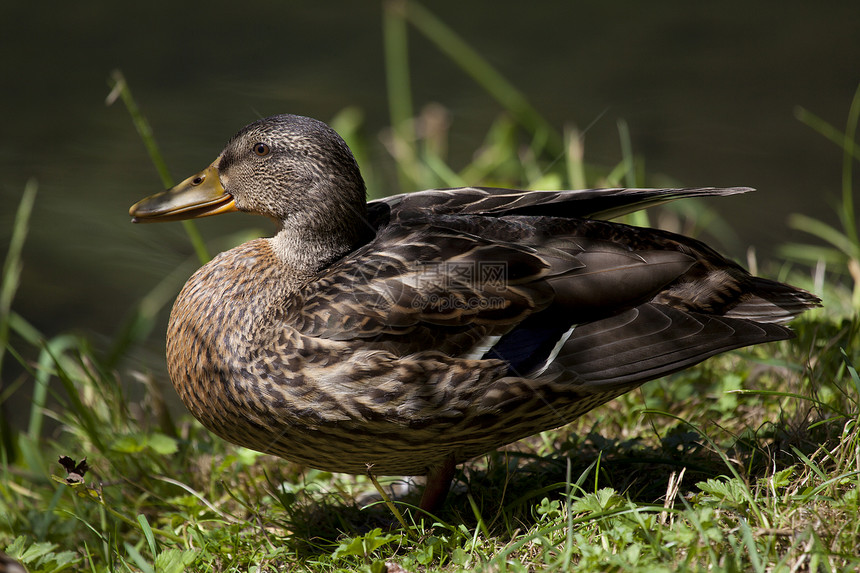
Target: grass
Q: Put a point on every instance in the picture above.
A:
(750, 461)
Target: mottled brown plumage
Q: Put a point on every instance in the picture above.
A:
(418, 331)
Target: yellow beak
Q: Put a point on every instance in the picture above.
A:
(201, 195)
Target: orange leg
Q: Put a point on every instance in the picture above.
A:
(437, 486)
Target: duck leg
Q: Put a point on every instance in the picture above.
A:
(438, 482)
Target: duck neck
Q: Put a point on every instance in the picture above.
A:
(308, 246)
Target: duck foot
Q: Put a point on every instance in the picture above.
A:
(438, 482)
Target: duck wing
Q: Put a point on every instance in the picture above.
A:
(478, 286)
(650, 341)
(583, 203)
(481, 273)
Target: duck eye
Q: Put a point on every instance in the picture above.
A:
(261, 149)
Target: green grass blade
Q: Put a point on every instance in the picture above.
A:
(12, 268)
(828, 131)
(147, 532)
(852, 371)
(441, 169)
(826, 233)
(849, 152)
(120, 89)
(397, 79)
(145, 314)
(12, 265)
(638, 218)
(479, 518)
(811, 254)
(47, 360)
(752, 547)
(462, 54)
(575, 159)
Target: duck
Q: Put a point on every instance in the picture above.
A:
(410, 334)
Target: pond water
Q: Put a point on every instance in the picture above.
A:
(708, 91)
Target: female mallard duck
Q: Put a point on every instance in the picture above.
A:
(412, 333)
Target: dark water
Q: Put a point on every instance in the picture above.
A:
(707, 89)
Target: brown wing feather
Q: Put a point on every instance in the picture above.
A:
(424, 275)
(584, 203)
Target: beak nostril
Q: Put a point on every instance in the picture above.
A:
(198, 180)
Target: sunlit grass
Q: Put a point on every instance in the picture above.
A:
(750, 461)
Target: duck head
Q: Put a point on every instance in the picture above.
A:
(294, 170)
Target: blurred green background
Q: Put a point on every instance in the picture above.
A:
(708, 90)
